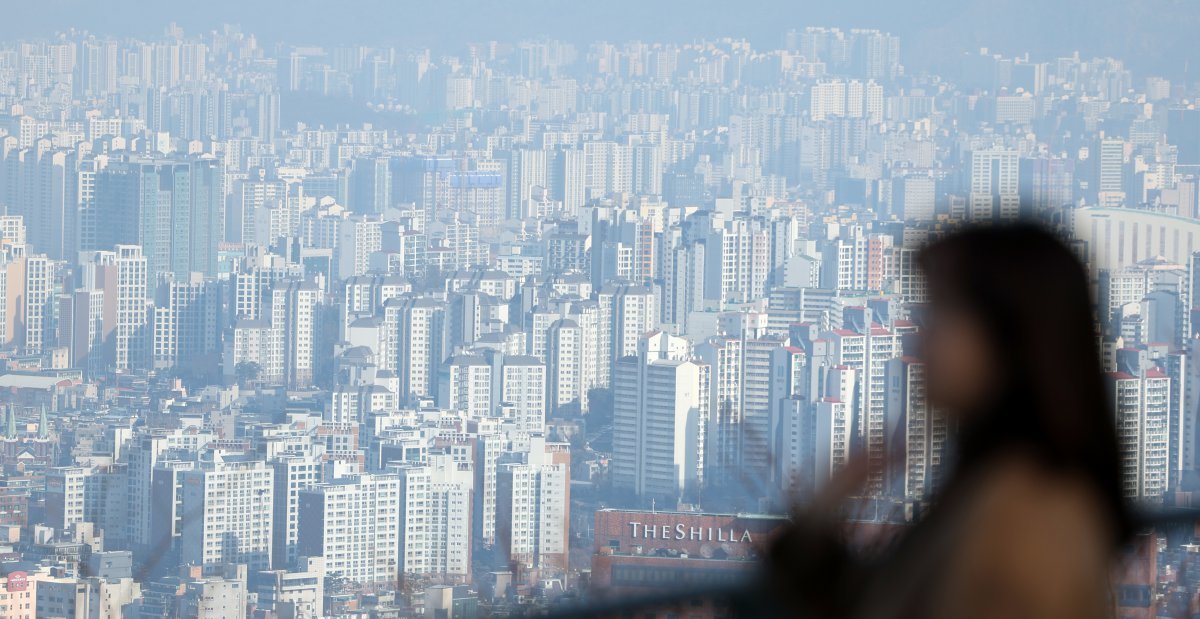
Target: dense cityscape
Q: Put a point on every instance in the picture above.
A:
(303, 331)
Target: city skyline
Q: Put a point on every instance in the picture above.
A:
(500, 318)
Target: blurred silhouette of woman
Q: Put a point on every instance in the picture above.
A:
(1030, 517)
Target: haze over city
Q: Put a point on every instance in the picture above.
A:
(471, 309)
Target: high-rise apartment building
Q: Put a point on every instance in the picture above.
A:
(227, 507)
(173, 208)
(354, 524)
(660, 419)
(995, 186)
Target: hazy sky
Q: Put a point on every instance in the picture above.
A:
(1152, 35)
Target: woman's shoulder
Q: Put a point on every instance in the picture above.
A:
(1032, 540)
(1026, 513)
(1018, 485)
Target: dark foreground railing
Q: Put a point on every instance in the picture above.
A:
(750, 598)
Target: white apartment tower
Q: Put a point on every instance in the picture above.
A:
(413, 344)
(660, 419)
(994, 194)
(227, 507)
(1142, 408)
(353, 523)
(435, 517)
(533, 505)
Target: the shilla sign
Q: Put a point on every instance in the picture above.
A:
(683, 532)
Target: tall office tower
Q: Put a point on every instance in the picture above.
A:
(186, 324)
(660, 417)
(533, 505)
(228, 501)
(1110, 173)
(353, 523)
(627, 312)
(293, 472)
(914, 197)
(916, 437)
(995, 186)
(868, 353)
(519, 385)
(1190, 298)
(173, 208)
(1143, 421)
(435, 517)
(465, 384)
(249, 197)
(370, 185)
(413, 347)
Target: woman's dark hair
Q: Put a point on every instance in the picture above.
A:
(1031, 294)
